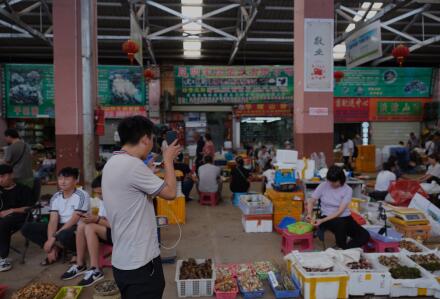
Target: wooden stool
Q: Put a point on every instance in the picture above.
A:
(379, 246)
(105, 254)
(288, 242)
(208, 198)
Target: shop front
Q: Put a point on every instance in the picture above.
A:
(269, 124)
(350, 114)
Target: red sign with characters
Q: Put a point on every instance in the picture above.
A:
(350, 110)
(276, 109)
(123, 111)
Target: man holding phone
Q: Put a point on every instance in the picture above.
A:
(128, 187)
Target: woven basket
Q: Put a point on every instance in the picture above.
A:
(115, 294)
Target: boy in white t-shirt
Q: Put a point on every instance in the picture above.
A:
(92, 230)
(383, 181)
(66, 206)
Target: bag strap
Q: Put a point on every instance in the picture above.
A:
(241, 173)
(21, 156)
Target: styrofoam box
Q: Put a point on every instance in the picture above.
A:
(373, 282)
(436, 274)
(253, 204)
(424, 286)
(315, 285)
(418, 244)
(195, 287)
(256, 226)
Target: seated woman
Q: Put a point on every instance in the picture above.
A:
(383, 181)
(335, 196)
(239, 177)
(433, 173)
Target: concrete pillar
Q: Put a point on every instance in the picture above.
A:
(312, 133)
(75, 68)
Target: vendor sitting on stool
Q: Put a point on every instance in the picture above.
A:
(335, 197)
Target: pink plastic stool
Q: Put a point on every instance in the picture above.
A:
(208, 198)
(379, 246)
(105, 254)
(289, 240)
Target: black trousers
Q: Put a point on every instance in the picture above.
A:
(379, 195)
(146, 282)
(9, 225)
(37, 233)
(344, 227)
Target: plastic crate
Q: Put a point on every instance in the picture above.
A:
(174, 210)
(423, 286)
(194, 287)
(3, 289)
(288, 206)
(227, 295)
(256, 294)
(236, 198)
(392, 235)
(255, 204)
(276, 196)
(320, 285)
(414, 231)
(286, 294)
(368, 281)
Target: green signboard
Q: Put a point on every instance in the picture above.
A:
(121, 86)
(29, 88)
(394, 108)
(384, 82)
(233, 84)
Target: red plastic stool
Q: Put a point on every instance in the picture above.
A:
(105, 253)
(379, 246)
(289, 240)
(208, 198)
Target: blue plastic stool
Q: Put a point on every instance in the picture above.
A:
(236, 198)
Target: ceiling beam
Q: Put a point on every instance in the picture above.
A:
(241, 38)
(47, 10)
(29, 8)
(16, 19)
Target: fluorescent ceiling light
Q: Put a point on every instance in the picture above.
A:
(194, 2)
(260, 120)
(377, 5)
(365, 5)
(191, 46)
(192, 11)
(192, 54)
(350, 27)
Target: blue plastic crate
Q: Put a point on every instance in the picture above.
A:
(392, 235)
(286, 294)
(284, 177)
(257, 294)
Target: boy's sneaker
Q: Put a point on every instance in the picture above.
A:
(73, 272)
(93, 275)
(5, 265)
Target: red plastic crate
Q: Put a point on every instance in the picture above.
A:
(3, 289)
(226, 295)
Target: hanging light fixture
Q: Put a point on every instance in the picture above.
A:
(401, 52)
(338, 75)
(130, 48)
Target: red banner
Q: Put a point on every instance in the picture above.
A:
(123, 111)
(350, 110)
(276, 109)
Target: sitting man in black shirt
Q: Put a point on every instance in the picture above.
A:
(14, 200)
(188, 182)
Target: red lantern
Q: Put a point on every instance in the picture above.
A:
(400, 53)
(149, 74)
(130, 48)
(338, 75)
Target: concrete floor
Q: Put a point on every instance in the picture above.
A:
(209, 232)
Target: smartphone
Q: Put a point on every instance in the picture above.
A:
(171, 136)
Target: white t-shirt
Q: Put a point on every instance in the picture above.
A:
(429, 147)
(434, 170)
(65, 207)
(383, 180)
(346, 147)
(269, 174)
(102, 212)
(128, 186)
(208, 178)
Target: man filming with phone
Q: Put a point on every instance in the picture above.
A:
(128, 187)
